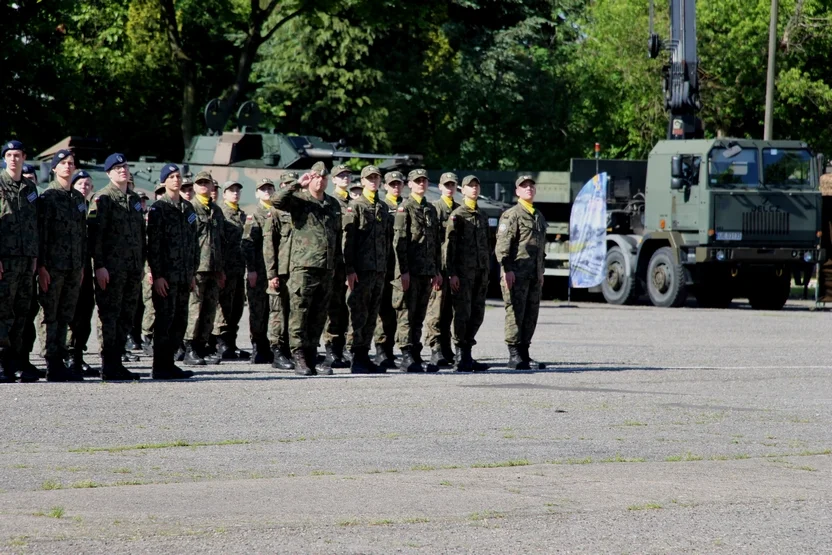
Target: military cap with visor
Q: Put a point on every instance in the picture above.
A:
(231, 183)
(80, 175)
(448, 177)
(12, 145)
(160, 189)
(113, 160)
(341, 168)
(59, 156)
(265, 182)
(204, 176)
(288, 177)
(319, 168)
(390, 177)
(367, 171)
(468, 179)
(188, 181)
(28, 169)
(416, 174)
(523, 178)
(167, 170)
(143, 195)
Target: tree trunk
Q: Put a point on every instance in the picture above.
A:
(188, 102)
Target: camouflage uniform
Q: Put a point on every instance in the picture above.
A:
(172, 254)
(226, 323)
(149, 316)
(467, 256)
(258, 300)
(277, 247)
(417, 244)
(367, 244)
(81, 326)
(337, 313)
(440, 306)
(385, 334)
(202, 306)
(62, 231)
(119, 246)
(521, 248)
(316, 248)
(18, 250)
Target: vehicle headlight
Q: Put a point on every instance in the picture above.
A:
(808, 256)
(720, 255)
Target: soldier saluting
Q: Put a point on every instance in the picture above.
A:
(521, 252)
(118, 258)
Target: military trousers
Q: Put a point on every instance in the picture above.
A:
(149, 316)
(202, 308)
(278, 329)
(31, 330)
(172, 319)
(16, 294)
(439, 316)
(258, 310)
(81, 325)
(469, 308)
(231, 301)
(522, 307)
(411, 307)
(116, 308)
(386, 324)
(337, 315)
(309, 293)
(363, 303)
(58, 304)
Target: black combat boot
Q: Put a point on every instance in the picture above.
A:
(147, 345)
(6, 367)
(461, 362)
(360, 360)
(383, 359)
(209, 355)
(329, 358)
(179, 355)
(515, 361)
(476, 365)
(280, 361)
(27, 371)
(127, 356)
(239, 354)
(447, 352)
(530, 362)
(130, 344)
(112, 369)
(339, 358)
(301, 368)
(56, 371)
(223, 349)
(437, 358)
(317, 365)
(192, 358)
(407, 363)
(80, 366)
(164, 368)
(261, 353)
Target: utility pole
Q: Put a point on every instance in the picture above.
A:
(772, 55)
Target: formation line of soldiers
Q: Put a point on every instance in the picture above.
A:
(358, 266)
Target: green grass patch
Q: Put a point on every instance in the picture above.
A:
(687, 457)
(445, 483)
(85, 484)
(415, 520)
(321, 473)
(56, 512)
(422, 467)
(122, 471)
(503, 464)
(619, 459)
(167, 445)
(645, 507)
(382, 522)
(51, 484)
(349, 522)
(485, 515)
(634, 423)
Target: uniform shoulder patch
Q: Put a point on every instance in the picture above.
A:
(503, 227)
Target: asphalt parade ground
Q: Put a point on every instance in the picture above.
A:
(651, 431)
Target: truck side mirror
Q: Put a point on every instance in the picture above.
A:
(676, 183)
(821, 164)
(676, 167)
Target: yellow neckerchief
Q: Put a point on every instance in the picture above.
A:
(341, 193)
(449, 201)
(233, 205)
(417, 198)
(527, 205)
(267, 204)
(393, 199)
(369, 195)
(471, 203)
(203, 199)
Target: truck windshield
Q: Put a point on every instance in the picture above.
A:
(787, 168)
(739, 170)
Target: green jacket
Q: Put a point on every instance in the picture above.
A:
(253, 241)
(210, 226)
(119, 237)
(417, 239)
(277, 243)
(466, 243)
(62, 229)
(443, 212)
(171, 240)
(232, 247)
(368, 236)
(521, 242)
(18, 217)
(316, 228)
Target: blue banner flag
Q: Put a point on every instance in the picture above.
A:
(588, 234)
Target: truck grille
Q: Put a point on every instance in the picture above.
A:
(765, 223)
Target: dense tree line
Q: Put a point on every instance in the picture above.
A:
(468, 83)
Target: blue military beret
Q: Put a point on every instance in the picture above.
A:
(12, 145)
(28, 168)
(167, 170)
(115, 159)
(60, 155)
(80, 175)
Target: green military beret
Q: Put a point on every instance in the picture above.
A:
(448, 177)
(468, 179)
(416, 174)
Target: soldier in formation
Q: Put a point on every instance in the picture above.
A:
(256, 282)
(385, 333)
(149, 314)
(81, 326)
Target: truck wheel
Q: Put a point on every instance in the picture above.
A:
(770, 292)
(666, 284)
(619, 287)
